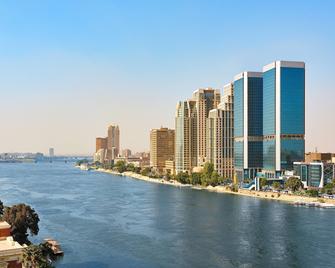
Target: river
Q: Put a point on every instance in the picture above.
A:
(102, 220)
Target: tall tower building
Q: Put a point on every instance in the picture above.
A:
(186, 136)
(248, 124)
(220, 135)
(283, 116)
(206, 100)
(161, 147)
(113, 142)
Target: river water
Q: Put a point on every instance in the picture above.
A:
(103, 221)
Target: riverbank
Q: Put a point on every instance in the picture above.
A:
(289, 198)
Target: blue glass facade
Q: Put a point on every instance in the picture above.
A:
(238, 122)
(238, 108)
(255, 121)
(269, 102)
(292, 117)
(292, 109)
(292, 100)
(269, 154)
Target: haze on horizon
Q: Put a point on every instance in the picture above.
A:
(71, 68)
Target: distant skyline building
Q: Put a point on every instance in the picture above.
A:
(220, 135)
(113, 142)
(248, 124)
(206, 100)
(283, 116)
(51, 152)
(126, 152)
(162, 145)
(186, 136)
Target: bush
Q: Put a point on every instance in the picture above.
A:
(312, 193)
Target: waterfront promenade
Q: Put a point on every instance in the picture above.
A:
(290, 198)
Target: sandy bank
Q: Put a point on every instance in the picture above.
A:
(290, 198)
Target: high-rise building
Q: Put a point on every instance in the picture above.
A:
(161, 147)
(100, 143)
(51, 152)
(186, 136)
(220, 135)
(283, 116)
(206, 100)
(113, 142)
(248, 124)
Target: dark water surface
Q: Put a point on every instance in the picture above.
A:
(108, 221)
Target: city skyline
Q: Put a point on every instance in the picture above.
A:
(67, 77)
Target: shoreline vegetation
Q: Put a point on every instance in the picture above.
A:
(288, 198)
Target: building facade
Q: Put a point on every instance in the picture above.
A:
(248, 124)
(206, 100)
(315, 156)
(162, 146)
(220, 135)
(10, 251)
(113, 142)
(283, 116)
(315, 174)
(100, 143)
(186, 136)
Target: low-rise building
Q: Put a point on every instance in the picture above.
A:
(315, 174)
(10, 251)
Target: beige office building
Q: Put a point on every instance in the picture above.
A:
(161, 147)
(206, 100)
(186, 136)
(113, 142)
(220, 135)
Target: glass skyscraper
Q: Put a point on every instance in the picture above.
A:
(248, 124)
(283, 116)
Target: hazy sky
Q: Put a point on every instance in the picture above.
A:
(69, 68)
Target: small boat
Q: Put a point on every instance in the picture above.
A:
(55, 246)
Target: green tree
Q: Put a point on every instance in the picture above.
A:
(293, 183)
(183, 177)
(22, 218)
(1, 208)
(276, 185)
(215, 179)
(121, 166)
(37, 256)
(130, 167)
(208, 169)
(195, 178)
(146, 171)
(328, 188)
(263, 182)
(312, 192)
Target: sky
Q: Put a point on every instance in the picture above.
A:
(69, 68)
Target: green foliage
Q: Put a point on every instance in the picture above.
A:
(82, 161)
(312, 193)
(276, 185)
(195, 178)
(37, 256)
(329, 188)
(1, 208)
(263, 182)
(208, 169)
(120, 166)
(234, 188)
(183, 177)
(294, 184)
(22, 218)
(130, 167)
(146, 171)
